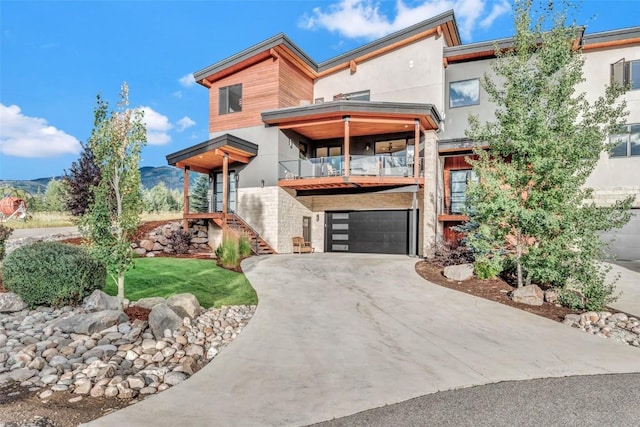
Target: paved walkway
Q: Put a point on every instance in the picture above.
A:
(337, 334)
(627, 286)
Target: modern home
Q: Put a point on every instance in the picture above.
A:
(365, 152)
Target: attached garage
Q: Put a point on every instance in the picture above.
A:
(626, 244)
(379, 231)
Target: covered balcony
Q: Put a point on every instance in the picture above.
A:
(352, 144)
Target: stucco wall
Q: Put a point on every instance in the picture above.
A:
(413, 73)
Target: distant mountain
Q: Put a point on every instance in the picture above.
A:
(151, 176)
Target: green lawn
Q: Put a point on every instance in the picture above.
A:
(163, 277)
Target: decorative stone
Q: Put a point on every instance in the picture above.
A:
(83, 386)
(185, 305)
(99, 301)
(97, 391)
(174, 378)
(111, 391)
(10, 302)
(92, 322)
(551, 296)
(459, 273)
(162, 317)
(530, 295)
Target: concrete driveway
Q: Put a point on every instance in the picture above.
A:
(335, 334)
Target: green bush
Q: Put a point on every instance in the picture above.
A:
(244, 246)
(52, 273)
(487, 268)
(5, 232)
(591, 296)
(229, 254)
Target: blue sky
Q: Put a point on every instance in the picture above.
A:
(55, 56)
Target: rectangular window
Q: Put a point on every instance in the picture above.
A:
(464, 93)
(626, 73)
(459, 180)
(363, 95)
(230, 99)
(627, 141)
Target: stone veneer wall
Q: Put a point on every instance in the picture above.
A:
(290, 213)
(432, 229)
(259, 208)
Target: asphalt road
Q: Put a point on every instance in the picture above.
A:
(594, 400)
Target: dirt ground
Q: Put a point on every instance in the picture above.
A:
(19, 406)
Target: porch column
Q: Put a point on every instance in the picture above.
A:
(347, 167)
(416, 150)
(185, 204)
(225, 183)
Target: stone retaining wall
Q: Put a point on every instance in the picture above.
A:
(160, 240)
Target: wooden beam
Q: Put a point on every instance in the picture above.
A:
(346, 147)
(300, 64)
(310, 123)
(612, 43)
(445, 62)
(353, 66)
(225, 184)
(274, 54)
(382, 121)
(439, 30)
(233, 156)
(416, 149)
(205, 83)
(185, 206)
(194, 168)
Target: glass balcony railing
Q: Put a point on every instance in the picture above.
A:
(376, 165)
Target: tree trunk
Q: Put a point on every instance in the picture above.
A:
(121, 288)
(518, 255)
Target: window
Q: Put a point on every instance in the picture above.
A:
(626, 73)
(230, 99)
(464, 92)
(627, 141)
(363, 95)
(459, 181)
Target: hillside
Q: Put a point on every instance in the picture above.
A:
(172, 177)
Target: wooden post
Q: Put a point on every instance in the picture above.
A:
(347, 167)
(416, 151)
(185, 206)
(225, 184)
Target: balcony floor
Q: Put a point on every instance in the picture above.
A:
(353, 181)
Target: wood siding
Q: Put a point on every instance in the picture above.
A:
(259, 93)
(295, 86)
(268, 85)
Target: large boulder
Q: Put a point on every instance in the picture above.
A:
(459, 273)
(149, 302)
(530, 295)
(91, 323)
(185, 305)
(99, 301)
(11, 302)
(162, 317)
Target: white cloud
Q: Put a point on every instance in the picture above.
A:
(363, 18)
(158, 126)
(185, 123)
(177, 94)
(187, 80)
(24, 136)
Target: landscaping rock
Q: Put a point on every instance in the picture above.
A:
(173, 378)
(459, 273)
(91, 322)
(162, 317)
(530, 295)
(10, 302)
(185, 305)
(551, 296)
(149, 302)
(99, 301)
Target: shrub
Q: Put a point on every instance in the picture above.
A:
(52, 273)
(590, 296)
(446, 253)
(228, 253)
(487, 268)
(5, 232)
(181, 241)
(244, 246)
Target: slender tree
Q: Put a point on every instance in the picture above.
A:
(116, 141)
(199, 196)
(82, 176)
(54, 196)
(531, 207)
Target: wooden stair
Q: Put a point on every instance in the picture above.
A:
(239, 226)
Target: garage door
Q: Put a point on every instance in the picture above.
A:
(626, 245)
(368, 231)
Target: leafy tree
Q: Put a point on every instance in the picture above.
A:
(83, 175)
(54, 196)
(160, 199)
(531, 208)
(199, 195)
(116, 141)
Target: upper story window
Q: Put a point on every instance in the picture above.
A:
(464, 92)
(363, 95)
(626, 73)
(627, 141)
(230, 99)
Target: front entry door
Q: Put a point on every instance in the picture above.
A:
(232, 192)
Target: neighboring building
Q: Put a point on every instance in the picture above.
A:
(365, 152)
